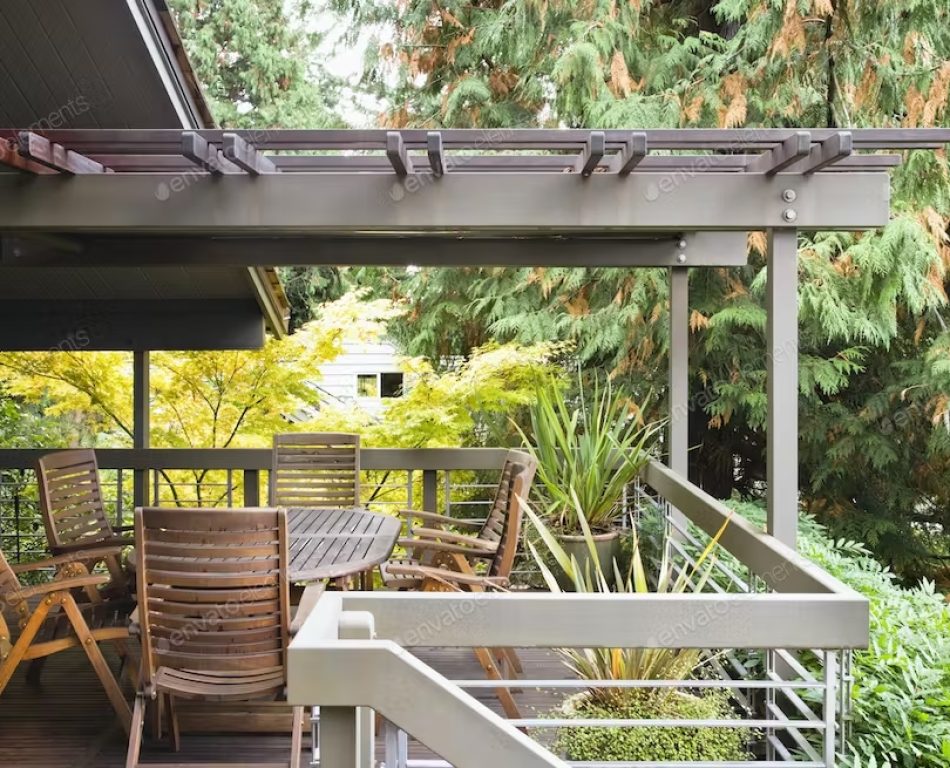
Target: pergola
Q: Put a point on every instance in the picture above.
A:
(86, 199)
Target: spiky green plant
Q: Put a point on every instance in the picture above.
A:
(587, 455)
(625, 663)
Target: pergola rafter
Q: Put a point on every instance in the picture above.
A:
(478, 151)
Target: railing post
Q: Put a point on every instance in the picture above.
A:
(347, 738)
(359, 625)
(678, 430)
(140, 422)
(831, 693)
(338, 737)
(430, 490)
(252, 488)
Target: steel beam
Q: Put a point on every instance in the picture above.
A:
(30, 325)
(592, 155)
(436, 155)
(245, 155)
(720, 249)
(526, 204)
(397, 154)
(790, 151)
(55, 156)
(631, 153)
(782, 366)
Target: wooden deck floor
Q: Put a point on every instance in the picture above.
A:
(66, 721)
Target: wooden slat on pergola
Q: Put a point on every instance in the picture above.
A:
(585, 152)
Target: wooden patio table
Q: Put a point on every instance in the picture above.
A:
(336, 543)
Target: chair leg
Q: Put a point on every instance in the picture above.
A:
(35, 670)
(174, 731)
(508, 704)
(94, 653)
(296, 739)
(513, 660)
(32, 626)
(135, 734)
(157, 719)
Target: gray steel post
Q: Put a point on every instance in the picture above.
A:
(782, 352)
(140, 421)
(678, 429)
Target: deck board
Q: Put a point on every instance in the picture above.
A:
(67, 721)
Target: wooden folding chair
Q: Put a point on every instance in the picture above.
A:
(75, 518)
(69, 612)
(320, 470)
(442, 560)
(214, 613)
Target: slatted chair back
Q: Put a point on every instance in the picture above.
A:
(503, 524)
(213, 593)
(319, 470)
(71, 499)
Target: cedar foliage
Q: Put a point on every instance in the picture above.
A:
(875, 374)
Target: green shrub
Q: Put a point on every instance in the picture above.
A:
(629, 744)
(901, 695)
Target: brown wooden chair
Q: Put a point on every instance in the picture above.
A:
(214, 612)
(442, 560)
(315, 470)
(69, 612)
(437, 553)
(75, 518)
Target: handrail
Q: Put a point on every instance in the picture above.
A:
(780, 566)
(325, 663)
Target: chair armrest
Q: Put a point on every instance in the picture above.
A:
(455, 538)
(432, 517)
(83, 547)
(308, 601)
(96, 553)
(447, 575)
(446, 547)
(59, 585)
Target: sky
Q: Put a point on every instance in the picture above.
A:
(345, 60)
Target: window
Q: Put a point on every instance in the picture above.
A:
(390, 385)
(367, 385)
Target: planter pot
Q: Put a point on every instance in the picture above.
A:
(605, 544)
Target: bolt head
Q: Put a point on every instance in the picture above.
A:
(682, 243)
(789, 195)
(790, 214)
(681, 258)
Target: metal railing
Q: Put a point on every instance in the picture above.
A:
(775, 628)
(392, 479)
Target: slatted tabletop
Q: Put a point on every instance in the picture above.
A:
(331, 543)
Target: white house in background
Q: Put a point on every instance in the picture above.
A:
(365, 374)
